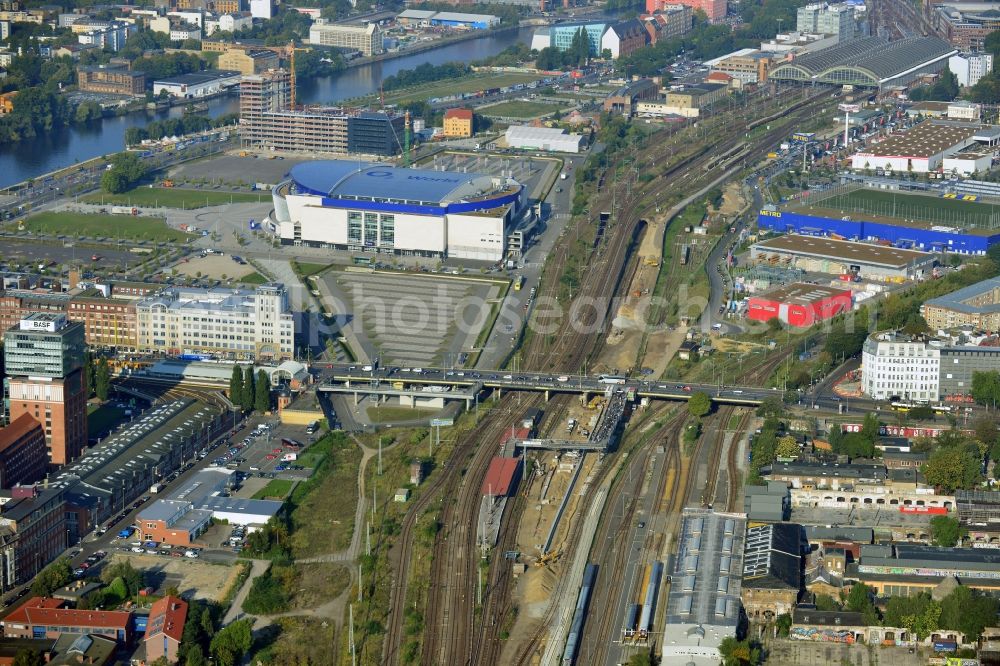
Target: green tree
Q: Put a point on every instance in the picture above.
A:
(117, 590)
(262, 393)
(52, 577)
(232, 642)
(783, 624)
(641, 659)
(125, 171)
(739, 653)
(699, 404)
(236, 386)
(860, 600)
(90, 370)
(123, 569)
(825, 602)
(953, 467)
(922, 413)
(946, 531)
(28, 657)
(986, 387)
(249, 390)
(968, 611)
(787, 447)
(102, 379)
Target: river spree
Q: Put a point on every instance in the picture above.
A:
(68, 145)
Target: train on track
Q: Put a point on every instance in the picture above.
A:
(579, 615)
(649, 603)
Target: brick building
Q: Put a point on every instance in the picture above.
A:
(165, 628)
(23, 456)
(111, 80)
(107, 322)
(41, 617)
(32, 533)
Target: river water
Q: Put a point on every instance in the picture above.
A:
(68, 145)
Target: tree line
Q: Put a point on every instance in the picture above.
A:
(250, 392)
(187, 124)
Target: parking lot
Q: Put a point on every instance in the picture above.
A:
(416, 320)
(29, 254)
(265, 453)
(248, 169)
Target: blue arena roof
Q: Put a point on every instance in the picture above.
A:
(348, 180)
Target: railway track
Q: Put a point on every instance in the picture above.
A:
(450, 615)
(440, 486)
(451, 633)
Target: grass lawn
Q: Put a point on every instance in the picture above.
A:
(315, 454)
(396, 413)
(101, 419)
(323, 517)
(464, 84)
(252, 278)
(109, 226)
(174, 198)
(274, 488)
(519, 109)
(305, 270)
(912, 206)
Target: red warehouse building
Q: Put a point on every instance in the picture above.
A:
(800, 304)
(502, 477)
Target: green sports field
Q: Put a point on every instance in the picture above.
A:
(104, 226)
(922, 207)
(174, 197)
(519, 109)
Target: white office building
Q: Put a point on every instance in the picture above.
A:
(262, 9)
(897, 365)
(364, 38)
(230, 323)
(968, 68)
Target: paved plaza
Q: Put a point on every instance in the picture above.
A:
(415, 319)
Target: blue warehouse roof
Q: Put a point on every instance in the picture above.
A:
(359, 180)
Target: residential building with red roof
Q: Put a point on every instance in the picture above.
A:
(458, 123)
(42, 617)
(165, 628)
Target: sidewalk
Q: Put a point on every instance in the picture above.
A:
(235, 611)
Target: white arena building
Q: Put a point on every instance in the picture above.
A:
(365, 207)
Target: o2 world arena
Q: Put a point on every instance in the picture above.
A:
(365, 207)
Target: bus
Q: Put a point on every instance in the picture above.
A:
(364, 261)
(611, 379)
(518, 282)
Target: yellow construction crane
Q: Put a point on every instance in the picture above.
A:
(290, 52)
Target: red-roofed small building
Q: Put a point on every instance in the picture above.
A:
(458, 123)
(23, 453)
(722, 77)
(165, 628)
(42, 617)
(502, 477)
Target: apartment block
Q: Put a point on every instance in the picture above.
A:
(32, 533)
(248, 62)
(232, 323)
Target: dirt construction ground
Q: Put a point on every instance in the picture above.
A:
(213, 266)
(192, 578)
